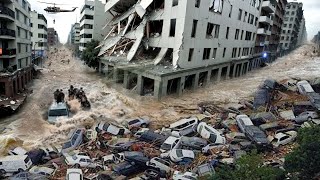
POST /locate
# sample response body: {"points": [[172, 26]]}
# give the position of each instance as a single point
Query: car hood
{"points": [[53, 119], [262, 141]]}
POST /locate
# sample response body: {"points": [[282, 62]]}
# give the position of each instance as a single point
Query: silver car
{"points": [[306, 116]]}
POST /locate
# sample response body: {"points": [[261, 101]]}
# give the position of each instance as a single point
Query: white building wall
{"points": [[39, 43]]}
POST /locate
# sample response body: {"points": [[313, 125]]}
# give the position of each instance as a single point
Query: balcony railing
{"points": [[7, 32], [7, 11], [9, 52]]}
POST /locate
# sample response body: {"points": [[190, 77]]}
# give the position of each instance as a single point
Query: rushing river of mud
{"points": [[30, 126]]}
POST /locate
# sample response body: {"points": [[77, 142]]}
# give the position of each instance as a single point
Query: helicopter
{"points": [[53, 9]]}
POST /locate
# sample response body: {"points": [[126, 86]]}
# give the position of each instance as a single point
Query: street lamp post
{"points": [[34, 48]]}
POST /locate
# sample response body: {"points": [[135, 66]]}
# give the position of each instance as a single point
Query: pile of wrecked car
{"points": [[188, 148]]}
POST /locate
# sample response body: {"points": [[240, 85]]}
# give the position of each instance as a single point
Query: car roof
{"points": [[182, 121], [279, 135], [13, 158], [74, 170], [55, 106], [246, 120], [170, 139]]}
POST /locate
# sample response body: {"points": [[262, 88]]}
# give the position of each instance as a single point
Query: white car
{"points": [[177, 155], [112, 129], [207, 148], [137, 123], [185, 126], [284, 138], [74, 174], [170, 143], [159, 163], [42, 170], [304, 87], [80, 161], [140, 132], [209, 133], [306, 116], [243, 121], [177, 175]]}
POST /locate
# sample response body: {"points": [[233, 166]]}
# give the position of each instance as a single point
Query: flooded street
{"points": [[30, 125]]}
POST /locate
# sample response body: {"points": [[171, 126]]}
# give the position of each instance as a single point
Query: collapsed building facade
{"points": [[166, 46]]}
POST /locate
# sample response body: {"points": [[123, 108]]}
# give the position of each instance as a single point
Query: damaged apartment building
{"points": [[162, 47]]}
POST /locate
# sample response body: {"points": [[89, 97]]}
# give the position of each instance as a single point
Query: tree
{"points": [[304, 160], [248, 167], [90, 54]]}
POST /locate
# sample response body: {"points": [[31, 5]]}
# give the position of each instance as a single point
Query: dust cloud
{"points": [[31, 127]]}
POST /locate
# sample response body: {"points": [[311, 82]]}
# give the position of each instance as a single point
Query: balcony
{"points": [[268, 6], [6, 13], [7, 34], [265, 20], [262, 31], [8, 53]]}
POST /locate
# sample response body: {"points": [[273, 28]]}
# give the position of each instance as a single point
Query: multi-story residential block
{"points": [[53, 37], [291, 26], [74, 34], [92, 20], [166, 46], [15, 47], [278, 18], [302, 36], [39, 37]]}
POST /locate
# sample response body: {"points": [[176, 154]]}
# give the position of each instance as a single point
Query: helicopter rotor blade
{"points": [[51, 3]]}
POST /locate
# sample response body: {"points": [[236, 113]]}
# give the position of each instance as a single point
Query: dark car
{"points": [[28, 176], [257, 136], [193, 143], [128, 168], [152, 137], [75, 140], [261, 98], [137, 157]]}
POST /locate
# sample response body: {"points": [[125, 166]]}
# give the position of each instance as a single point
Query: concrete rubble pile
{"points": [[191, 147]]}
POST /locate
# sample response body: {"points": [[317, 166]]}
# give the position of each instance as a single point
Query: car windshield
{"points": [[213, 138], [58, 112], [179, 153], [166, 146], [67, 145]]}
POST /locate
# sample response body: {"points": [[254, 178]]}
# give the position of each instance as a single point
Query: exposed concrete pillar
{"points": [[181, 83], [100, 67], [164, 88], [241, 69], [208, 78], [219, 74], [126, 80], [140, 85], [234, 70], [158, 88], [195, 82], [115, 74], [228, 72], [247, 67]]}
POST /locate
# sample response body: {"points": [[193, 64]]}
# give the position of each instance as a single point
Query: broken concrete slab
{"points": [[141, 8], [287, 115]]}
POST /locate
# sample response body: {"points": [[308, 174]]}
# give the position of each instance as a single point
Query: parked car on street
{"points": [[159, 163], [283, 138], [75, 140], [243, 121], [193, 143], [57, 110], [112, 129], [137, 123], [211, 134], [74, 174], [177, 175], [256, 135], [170, 143], [80, 161], [185, 126], [306, 116], [177, 155]]}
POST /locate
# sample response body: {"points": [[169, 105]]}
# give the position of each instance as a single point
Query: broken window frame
{"points": [[206, 53], [216, 6], [194, 28]]}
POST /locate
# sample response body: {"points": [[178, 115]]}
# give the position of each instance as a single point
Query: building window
{"points": [[227, 33], [210, 28], [292, 13], [240, 14], [282, 37], [256, 21], [283, 31], [172, 28], [253, 36], [236, 36], [206, 53], [19, 32], [289, 31], [27, 61], [26, 34], [224, 52], [245, 16], [234, 52], [241, 35], [31, 24], [175, 2], [285, 25], [286, 44], [197, 5], [239, 53], [248, 35], [216, 31], [194, 28], [214, 53], [26, 47], [190, 54], [290, 25], [20, 63], [216, 6], [230, 13], [291, 19], [17, 15]]}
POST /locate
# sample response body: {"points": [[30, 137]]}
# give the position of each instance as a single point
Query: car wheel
{"points": [[144, 125], [77, 165], [309, 118], [2, 172]]}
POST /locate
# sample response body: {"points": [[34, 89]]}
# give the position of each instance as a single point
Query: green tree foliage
{"points": [[248, 167], [304, 161], [90, 54]]}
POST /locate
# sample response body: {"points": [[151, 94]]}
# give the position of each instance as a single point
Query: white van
{"points": [[74, 174], [185, 126], [15, 163], [304, 87]]}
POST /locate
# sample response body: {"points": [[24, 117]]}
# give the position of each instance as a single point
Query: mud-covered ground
{"points": [[30, 123]]}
